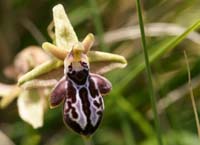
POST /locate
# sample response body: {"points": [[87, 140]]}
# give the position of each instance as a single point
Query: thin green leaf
{"points": [[135, 116], [129, 138], [192, 95], [149, 75], [138, 65]]}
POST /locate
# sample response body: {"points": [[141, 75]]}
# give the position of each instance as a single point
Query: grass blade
{"points": [[149, 75], [192, 95], [135, 116], [155, 53]]}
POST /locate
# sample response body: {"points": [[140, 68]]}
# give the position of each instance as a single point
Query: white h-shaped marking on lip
{"points": [[82, 118]]}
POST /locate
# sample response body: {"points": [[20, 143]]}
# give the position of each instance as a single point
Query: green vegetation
{"points": [[171, 28]]}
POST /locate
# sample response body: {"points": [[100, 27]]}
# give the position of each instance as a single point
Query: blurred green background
{"points": [[127, 119]]}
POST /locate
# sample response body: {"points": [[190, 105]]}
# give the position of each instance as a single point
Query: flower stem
{"points": [[87, 140]]}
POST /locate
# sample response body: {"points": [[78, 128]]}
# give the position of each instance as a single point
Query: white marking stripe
{"points": [[78, 105], [94, 109]]}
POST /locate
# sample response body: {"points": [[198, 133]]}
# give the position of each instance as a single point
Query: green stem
{"points": [[87, 140], [149, 75], [97, 23]]}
